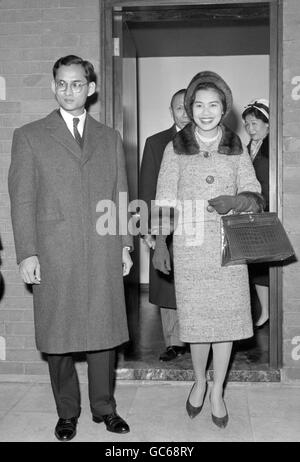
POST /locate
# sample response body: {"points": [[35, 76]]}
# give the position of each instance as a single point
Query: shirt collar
{"points": [[68, 118]]}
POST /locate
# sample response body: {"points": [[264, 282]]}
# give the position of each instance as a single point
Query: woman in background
{"points": [[256, 119]]}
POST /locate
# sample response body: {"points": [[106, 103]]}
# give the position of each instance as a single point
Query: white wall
{"points": [[160, 78]]}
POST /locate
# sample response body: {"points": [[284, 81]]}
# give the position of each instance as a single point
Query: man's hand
{"points": [[161, 258], [149, 241], [30, 270], [126, 261]]}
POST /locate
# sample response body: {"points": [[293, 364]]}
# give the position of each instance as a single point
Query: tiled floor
{"points": [[156, 412]]}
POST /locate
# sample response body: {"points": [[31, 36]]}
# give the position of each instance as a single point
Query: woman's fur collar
{"points": [[185, 142]]}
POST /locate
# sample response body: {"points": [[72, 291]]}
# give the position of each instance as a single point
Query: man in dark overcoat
{"points": [[62, 169], [161, 286]]}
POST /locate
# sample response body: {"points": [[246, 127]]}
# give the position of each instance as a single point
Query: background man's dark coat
{"points": [[161, 286]]}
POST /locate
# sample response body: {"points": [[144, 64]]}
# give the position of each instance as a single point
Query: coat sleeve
{"points": [[261, 166], [148, 180], [148, 176], [22, 186], [166, 198], [121, 195]]}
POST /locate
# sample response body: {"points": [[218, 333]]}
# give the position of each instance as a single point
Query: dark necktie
{"points": [[76, 132]]}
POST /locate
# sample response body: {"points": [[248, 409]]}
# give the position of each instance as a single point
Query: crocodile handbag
{"points": [[253, 238]]}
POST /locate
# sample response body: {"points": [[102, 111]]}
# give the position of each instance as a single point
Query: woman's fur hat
{"points": [[185, 141], [215, 80]]}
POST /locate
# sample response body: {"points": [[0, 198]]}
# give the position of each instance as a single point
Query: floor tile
{"points": [[167, 420], [11, 393], [38, 399], [156, 412], [276, 429], [27, 426], [274, 401], [3, 414]]}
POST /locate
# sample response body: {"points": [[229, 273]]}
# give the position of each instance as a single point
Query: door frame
{"points": [[109, 116]]}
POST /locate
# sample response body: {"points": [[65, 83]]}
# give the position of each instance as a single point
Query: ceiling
{"points": [[206, 30]]}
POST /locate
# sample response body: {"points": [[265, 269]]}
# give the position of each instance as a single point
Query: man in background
{"points": [[161, 286]]}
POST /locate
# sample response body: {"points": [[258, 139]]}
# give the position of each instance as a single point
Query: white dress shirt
{"points": [[68, 118]]}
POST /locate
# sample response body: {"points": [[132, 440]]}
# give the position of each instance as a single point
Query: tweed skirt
{"points": [[213, 302]]}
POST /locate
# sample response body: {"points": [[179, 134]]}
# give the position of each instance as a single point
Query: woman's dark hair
{"points": [[256, 113], [208, 86], [89, 70]]}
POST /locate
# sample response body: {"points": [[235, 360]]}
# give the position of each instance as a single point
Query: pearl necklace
{"points": [[207, 140]]}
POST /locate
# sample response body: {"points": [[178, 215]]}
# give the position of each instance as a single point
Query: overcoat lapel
{"points": [[60, 132], [90, 138]]}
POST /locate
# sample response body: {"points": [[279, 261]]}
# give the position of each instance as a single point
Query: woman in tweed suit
{"points": [[207, 164]]}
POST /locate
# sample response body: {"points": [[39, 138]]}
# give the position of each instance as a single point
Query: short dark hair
{"points": [[209, 86], [179, 92], [256, 113], [89, 70]]}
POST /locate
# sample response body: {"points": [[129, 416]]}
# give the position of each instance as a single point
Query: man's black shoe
{"points": [[114, 423], [172, 352], [65, 429]]}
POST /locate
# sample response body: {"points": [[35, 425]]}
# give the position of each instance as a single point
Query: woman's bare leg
{"points": [[199, 354], [263, 296], [221, 357]]}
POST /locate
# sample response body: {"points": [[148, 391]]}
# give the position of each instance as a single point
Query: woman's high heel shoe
{"points": [[192, 410], [261, 322], [220, 422]]}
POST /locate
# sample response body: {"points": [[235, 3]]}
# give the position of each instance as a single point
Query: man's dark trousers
{"points": [[65, 384]]}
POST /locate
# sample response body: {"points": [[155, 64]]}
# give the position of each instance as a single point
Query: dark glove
{"points": [[223, 204], [161, 257], [248, 201], [243, 202]]}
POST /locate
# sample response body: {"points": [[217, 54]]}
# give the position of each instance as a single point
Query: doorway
{"points": [[240, 41]]}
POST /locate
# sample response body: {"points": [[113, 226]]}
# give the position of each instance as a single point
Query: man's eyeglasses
{"points": [[75, 86]]}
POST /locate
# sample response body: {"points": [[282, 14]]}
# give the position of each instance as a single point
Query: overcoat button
{"points": [[206, 154], [210, 179], [210, 208]]}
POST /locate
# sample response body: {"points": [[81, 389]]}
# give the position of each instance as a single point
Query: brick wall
{"points": [[291, 186], [33, 34]]}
